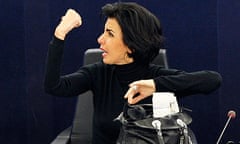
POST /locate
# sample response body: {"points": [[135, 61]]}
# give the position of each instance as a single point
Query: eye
{"points": [[110, 34]]}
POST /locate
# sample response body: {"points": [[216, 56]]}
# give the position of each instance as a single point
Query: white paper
{"points": [[164, 103]]}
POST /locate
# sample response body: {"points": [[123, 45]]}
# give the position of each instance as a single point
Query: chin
{"points": [[106, 62]]}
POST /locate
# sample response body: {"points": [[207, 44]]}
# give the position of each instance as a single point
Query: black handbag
{"points": [[139, 126]]}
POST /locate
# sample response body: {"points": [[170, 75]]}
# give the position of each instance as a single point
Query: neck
{"points": [[130, 72]]}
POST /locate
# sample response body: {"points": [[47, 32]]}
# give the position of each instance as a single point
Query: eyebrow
{"points": [[109, 30]]}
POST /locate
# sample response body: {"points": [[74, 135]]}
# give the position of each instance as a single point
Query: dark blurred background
{"points": [[201, 34]]}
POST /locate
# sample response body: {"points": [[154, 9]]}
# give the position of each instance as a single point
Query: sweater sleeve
{"points": [[67, 85], [183, 83]]}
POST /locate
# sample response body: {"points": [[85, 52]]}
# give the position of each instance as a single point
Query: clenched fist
{"points": [[69, 21]]}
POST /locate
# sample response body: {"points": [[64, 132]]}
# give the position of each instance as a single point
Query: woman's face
{"points": [[111, 42]]}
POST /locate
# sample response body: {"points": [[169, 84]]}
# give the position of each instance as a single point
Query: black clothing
{"points": [[109, 83]]}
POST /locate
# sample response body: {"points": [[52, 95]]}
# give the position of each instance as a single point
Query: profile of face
{"points": [[111, 42]]}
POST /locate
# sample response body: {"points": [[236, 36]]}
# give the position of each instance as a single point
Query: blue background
{"points": [[199, 35]]}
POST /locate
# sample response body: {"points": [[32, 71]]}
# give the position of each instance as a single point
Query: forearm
{"points": [[189, 83]]}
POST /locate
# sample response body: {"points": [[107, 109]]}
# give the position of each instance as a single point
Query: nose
{"points": [[100, 39]]}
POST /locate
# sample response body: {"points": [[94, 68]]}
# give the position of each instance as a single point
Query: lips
{"points": [[104, 52]]}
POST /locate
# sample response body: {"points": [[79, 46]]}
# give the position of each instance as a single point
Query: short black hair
{"points": [[141, 29]]}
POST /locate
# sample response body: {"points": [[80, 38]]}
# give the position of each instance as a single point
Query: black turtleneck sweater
{"points": [[109, 83]]}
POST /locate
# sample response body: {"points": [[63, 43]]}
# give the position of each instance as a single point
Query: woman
{"points": [[131, 39]]}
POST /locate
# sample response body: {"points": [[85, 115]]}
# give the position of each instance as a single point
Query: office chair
{"points": [[81, 130]]}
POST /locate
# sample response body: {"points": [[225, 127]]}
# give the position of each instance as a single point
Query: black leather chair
{"points": [[81, 130]]}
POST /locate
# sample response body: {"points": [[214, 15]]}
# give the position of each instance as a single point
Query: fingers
{"points": [[134, 95], [139, 90], [69, 21], [131, 92], [74, 17], [136, 99]]}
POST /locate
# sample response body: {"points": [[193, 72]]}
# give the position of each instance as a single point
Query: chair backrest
{"points": [[82, 123], [161, 59]]}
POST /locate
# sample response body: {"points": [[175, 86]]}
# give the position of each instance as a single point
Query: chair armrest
{"points": [[63, 137]]}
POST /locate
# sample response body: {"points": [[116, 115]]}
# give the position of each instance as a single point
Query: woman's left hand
{"points": [[139, 90]]}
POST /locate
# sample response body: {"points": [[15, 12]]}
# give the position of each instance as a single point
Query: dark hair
{"points": [[141, 29]]}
